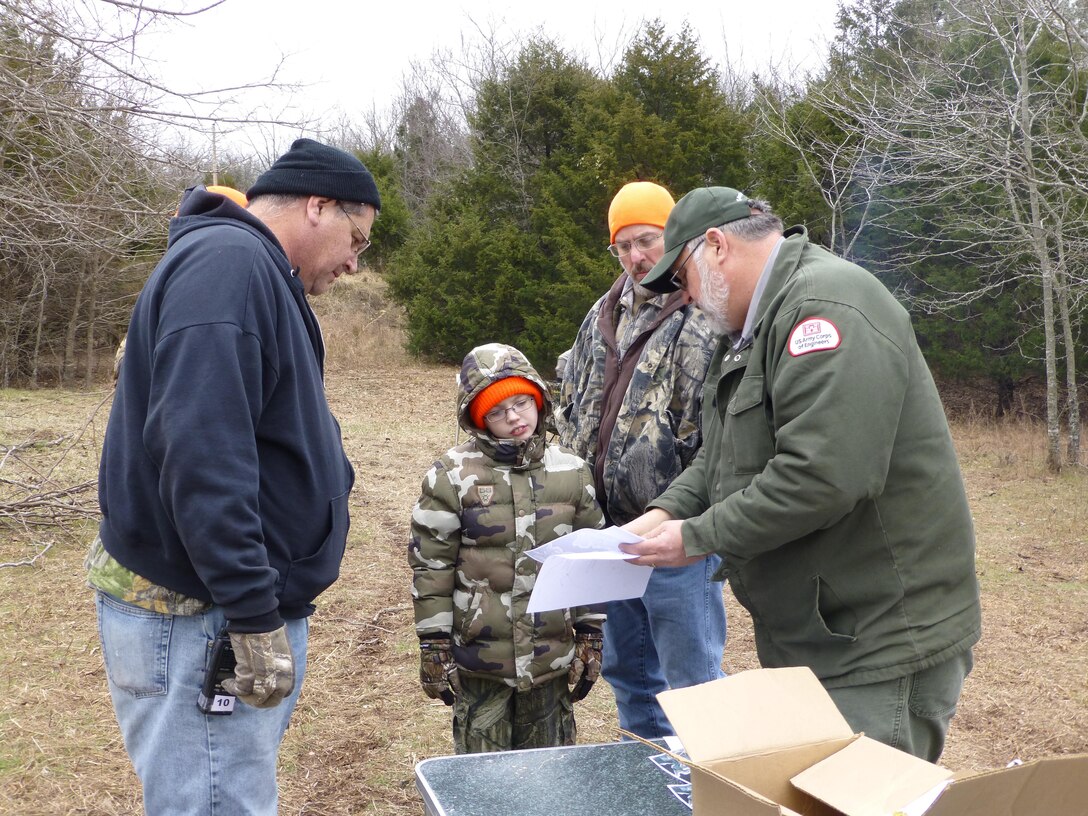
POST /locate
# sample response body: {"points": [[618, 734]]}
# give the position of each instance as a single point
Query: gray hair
{"points": [[275, 203], [759, 225]]}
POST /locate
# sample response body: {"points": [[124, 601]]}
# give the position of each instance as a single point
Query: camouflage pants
{"points": [[491, 716]]}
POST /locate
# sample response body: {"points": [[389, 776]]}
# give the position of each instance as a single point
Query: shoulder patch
{"points": [[813, 334]]}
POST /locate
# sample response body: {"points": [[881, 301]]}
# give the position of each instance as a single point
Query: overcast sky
{"points": [[351, 57]]}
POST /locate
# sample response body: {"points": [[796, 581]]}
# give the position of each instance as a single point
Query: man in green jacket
{"points": [[827, 481]]}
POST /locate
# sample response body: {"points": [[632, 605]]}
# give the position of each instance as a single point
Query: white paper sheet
{"points": [[586, 567], [603, 542]]}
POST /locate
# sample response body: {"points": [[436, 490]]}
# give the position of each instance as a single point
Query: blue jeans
{"points": [[190, 762], [671, 637]]}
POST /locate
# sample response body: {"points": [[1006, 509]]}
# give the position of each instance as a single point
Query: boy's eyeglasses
{"points": [[644, 242], [519, 407], [360, 243]]}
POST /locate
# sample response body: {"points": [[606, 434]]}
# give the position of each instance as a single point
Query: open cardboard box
{"points": [[771, 742]]}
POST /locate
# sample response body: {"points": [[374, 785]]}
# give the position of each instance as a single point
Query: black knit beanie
{"points": [[311, 168]]}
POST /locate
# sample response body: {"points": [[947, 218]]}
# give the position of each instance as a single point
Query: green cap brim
{"points": [[692, 216], [659, 279]]}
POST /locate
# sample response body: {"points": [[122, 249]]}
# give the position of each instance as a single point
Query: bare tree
{"points": [[846, 165], [87, 178], [76, 190], [977, 113]]}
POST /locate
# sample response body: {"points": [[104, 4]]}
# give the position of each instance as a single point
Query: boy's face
{"points": [[513, 418]]}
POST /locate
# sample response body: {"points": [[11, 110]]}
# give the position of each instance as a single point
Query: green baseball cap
{"points": [[693, 215]]}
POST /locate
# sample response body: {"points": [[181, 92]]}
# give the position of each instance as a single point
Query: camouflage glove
{"points": [[437, 671], [585, 668], [265, 670]]}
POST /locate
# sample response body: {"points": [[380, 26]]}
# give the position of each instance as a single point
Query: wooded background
{"points": [[944, 147]]}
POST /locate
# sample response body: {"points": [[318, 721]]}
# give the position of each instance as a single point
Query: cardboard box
{"points": [[748, 734], [771, 742], [867, 778]]}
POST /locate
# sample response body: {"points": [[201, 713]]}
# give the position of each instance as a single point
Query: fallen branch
{"points": [[29, 562], [78, 501], [31, 498]]}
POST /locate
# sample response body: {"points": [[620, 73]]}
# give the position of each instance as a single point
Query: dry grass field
{"points": [[362, 722]]}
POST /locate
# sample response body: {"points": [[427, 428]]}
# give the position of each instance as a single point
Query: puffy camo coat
{"points": [[484, 504]]}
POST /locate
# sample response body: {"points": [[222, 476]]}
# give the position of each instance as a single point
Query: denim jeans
{"points": [[910, 713], [671, 637], [190, 762]]}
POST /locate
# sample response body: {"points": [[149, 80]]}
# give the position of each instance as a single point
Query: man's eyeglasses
{"points": [[677, 281], [519, 407], [622, 249], [359, 243]]}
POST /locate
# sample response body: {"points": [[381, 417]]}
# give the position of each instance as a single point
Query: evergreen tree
{"points": [[391, 228], [502, 253], [512, 248]]}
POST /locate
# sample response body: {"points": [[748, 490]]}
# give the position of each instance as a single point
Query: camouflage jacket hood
{"points": [[483, 366]]}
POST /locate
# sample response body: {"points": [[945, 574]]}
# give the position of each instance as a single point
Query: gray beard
{"points": [[713, 298]]}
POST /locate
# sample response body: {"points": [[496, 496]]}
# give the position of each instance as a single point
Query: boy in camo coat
{"points": [[507, 673]]}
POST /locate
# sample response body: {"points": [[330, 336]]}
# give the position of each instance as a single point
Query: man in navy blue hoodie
{"points": [[224, 484]]}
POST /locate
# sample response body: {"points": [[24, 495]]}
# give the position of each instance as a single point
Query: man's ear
{"points": [[314, 206], [718, 243]]}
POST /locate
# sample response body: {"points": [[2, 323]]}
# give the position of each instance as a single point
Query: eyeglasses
{"points": [[642, 243], [360, 243], [519, 407], [676, 279]]}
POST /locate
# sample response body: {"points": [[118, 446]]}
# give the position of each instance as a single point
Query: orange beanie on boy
{"points": [[499, 390]]}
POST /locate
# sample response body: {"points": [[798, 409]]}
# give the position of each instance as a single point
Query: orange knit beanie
{"points": [[237, 196], [498, 391], [640, 202]]}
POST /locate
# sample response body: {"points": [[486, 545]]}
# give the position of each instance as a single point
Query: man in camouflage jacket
{"points": [[630, 401], [484, 505]]}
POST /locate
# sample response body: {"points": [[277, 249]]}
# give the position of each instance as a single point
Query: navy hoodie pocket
{"points": [[308, 577]]}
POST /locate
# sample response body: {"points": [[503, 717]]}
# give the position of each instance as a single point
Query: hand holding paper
{"points": [[662, 547]]}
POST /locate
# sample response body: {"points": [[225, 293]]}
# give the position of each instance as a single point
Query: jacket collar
{"points": [[785, 267]]}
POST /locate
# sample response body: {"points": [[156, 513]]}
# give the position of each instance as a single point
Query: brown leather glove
{"points": [[437, 670], [585, 668], [265, 670]]}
